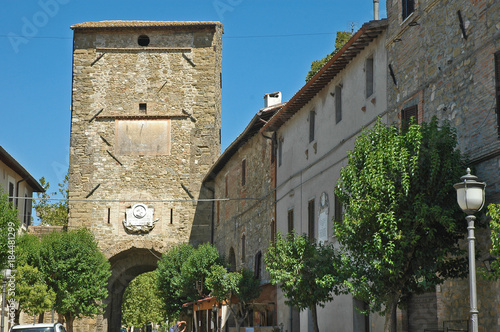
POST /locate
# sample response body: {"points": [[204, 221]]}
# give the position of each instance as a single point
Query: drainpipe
{"points": [[291, 318], [17, 191], [375, 9]]}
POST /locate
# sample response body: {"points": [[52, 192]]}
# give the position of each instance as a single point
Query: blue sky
{"points": [[268, 46]]}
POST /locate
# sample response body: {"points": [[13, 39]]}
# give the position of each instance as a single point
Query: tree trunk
{"points": [[390, 316], [314, 312], [40, 317], [70, 318]]}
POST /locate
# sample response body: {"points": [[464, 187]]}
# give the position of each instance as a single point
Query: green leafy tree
{"points": [[32, 292], [170, 281], [142, 302], [228, 285], [52, 213], [342, 38], [77, 271], [9, 224], [197, 268], [494, 213], [399, 231], [309, 273], [182, 275]]}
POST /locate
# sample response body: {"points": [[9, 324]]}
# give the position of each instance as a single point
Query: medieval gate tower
{"points": [[145, 129]]}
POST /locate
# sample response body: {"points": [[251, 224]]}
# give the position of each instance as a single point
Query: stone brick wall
{"points": [[250, 208], [178, 77], [145, 128], [449, 74]]}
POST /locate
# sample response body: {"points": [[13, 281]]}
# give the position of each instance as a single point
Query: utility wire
{"points": [[224, 37]]}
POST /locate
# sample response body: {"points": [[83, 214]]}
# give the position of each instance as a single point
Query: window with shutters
{"points": [[290, 220], [243, 248], [369, 76], [310, 219], [408, 7], [497, 89], [407, 114], [243, 172], [312, 124], [338, 209], [11, 191], [338, 103], [258, 265]]}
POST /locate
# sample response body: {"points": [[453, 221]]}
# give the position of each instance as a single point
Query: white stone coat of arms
{"points": [[139, 219]]}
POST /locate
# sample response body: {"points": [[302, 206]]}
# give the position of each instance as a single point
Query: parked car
{"points": [[45, 327]]}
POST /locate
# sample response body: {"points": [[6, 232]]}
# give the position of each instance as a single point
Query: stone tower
{"points": [[145, 129]]}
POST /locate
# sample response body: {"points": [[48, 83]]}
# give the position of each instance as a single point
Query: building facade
{"points": [[314, 131], [243, 182], [19, 185], [145, 129]]}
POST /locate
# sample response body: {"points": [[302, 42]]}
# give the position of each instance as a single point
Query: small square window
{"points": [[143, 107]]}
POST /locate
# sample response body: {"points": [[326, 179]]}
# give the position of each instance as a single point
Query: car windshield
{"points": [[34, 329]]}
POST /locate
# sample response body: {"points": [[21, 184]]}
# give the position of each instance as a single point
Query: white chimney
{"points": [[375, 9], [271, 99]]}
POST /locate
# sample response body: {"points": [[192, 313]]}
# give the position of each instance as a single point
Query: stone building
{"points": [[314, 131], [243, 181], [145, 129], [444, 61]]}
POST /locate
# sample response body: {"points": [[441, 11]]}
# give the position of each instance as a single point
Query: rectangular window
{"points": [[369, 76], [243, 172], [338, 209], [11, 191], [312, 120], [258, 264], [310, 219], [497, 88], [143, 107], [407, 114], [338, 103], [226, 184], [290, 220], [408, 7], [280, 151], [26, 214], [243, 249]]}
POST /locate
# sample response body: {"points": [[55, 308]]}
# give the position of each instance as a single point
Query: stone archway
{"points": [[125, 266]]}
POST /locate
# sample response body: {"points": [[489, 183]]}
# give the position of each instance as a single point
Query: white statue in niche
{"points": [[139, 219]]}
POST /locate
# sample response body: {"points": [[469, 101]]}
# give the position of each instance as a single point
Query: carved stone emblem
{"points": [[139, 219]]}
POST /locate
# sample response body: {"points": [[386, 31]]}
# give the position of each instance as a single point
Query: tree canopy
{"points": [[142, 302], [9, 224], [52, 213], [182, 273], [309, 273], [399, 230], [342, 38], [76, 271], [494, 213]]}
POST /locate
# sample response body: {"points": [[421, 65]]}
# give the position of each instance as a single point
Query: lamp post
{"points": [[5, 276], [470, 197]]}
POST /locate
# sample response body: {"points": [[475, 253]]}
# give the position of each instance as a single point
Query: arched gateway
{"points": [[145, 129]]}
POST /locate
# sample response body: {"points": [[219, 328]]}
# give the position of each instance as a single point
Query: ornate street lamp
{"points": [[470, 197], [5, 276]]}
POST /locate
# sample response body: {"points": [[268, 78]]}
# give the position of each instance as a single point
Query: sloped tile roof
{"points": [[368, 32]]}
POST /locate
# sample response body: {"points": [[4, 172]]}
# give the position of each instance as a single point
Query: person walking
{"points": [[177, 327]]}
